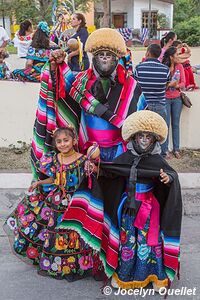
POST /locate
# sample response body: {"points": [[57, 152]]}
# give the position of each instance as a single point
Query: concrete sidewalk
{"points": [[23, 180]]}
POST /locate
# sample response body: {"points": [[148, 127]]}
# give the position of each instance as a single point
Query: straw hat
{"points": [[145, 120], [106, 39]]}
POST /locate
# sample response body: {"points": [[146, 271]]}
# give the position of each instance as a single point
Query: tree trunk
{"points": [[106, 16]]}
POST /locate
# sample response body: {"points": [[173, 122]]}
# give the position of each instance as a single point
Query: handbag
{"points": [[185, 100]]}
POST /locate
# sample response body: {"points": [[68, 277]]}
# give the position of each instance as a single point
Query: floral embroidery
{"points": [[45, 213], [143, 251], [45, 263], [12, 223], [85, 262], [72, 180], [123, 237], [127, 253], [44, 234], [157, 250], [61, 243], [20, 209], [66, 270], [19, 244], [32, 252]]}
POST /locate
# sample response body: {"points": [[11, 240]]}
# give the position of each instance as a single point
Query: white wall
{"points": [[18, 104], [143, 5], [134, 9]]}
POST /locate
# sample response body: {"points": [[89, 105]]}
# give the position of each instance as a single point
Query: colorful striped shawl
{"points": [[121, 100], [93, 218], [52, 113]]}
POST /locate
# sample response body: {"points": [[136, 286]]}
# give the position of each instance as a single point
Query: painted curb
{"points": [[23, 180]]}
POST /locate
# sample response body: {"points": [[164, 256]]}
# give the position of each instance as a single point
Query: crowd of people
{"points": [[36, 45], [103, 202]]}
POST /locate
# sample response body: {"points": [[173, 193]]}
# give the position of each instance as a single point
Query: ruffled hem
{"points": [[141, 284]]}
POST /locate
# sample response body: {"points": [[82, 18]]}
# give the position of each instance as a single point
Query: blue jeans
{"points": [[162, 111], [174, 107]]}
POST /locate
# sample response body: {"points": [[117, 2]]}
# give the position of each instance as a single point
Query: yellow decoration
{"points": [[140, 284], [57, 180], [80, 46]]}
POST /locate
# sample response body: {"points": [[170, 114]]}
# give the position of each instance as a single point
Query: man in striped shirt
{"points": [[152, 76]]}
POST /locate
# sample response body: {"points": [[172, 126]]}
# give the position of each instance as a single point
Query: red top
{"points": [[170, 94]]}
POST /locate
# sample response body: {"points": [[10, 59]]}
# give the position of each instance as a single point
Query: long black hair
{"points": [[167, 56], [40, 40], [169, 36], [24, 27]]}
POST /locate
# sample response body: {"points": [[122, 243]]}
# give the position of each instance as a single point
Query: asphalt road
{"points": [[19, 281]]}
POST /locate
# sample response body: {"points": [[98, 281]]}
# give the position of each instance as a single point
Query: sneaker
{"points": [[114, 283]]}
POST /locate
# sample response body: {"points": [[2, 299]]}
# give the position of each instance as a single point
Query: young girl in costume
{"points": [[23, 38], [60, 254], [37, 54]]}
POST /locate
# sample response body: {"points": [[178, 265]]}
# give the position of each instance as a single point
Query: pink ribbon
{"points": [[149, 207]]}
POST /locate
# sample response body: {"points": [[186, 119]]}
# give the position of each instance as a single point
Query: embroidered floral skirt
{"points": [[60, 254], [139, 264]]}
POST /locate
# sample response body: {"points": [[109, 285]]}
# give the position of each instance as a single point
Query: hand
{"points": [[33, 186], [69, 57], [164, 177], [173, 84], [57, 56], [90, 168]]}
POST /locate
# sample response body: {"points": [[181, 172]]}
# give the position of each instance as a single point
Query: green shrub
{"points": [[189, 31]]}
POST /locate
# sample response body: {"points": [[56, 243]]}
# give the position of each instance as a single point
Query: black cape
{"points": [[114, 177]]}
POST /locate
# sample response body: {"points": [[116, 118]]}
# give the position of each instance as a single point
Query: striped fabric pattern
{"points": [[171, 256], [86, 216], [88, 102], [50, 114], [152, 76]]}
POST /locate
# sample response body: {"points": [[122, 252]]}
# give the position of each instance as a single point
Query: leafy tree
{"points": [[36, 10], [189, 31], [187, 21], [185, 9]]}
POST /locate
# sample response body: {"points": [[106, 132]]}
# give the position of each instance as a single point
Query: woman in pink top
{"points": [[173, 99], [167, 42]]}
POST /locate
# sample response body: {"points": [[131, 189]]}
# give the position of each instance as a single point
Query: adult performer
{"points": [[105, 93]]}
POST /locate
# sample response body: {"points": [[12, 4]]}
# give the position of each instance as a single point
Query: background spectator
{"points": [[23, 38], [152, 76], [79, 24], [38, 54], [167, 42], [5, 70], [4, 38], [173, 99]]}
